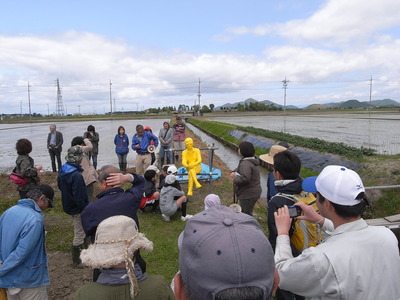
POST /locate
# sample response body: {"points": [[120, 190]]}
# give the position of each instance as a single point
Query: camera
{"points": [[295, 211]]}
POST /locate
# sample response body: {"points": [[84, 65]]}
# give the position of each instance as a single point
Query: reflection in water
{"points": [[358, 130]]}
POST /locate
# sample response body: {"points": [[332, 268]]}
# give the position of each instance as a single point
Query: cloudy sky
{"points": [[155, 52]]}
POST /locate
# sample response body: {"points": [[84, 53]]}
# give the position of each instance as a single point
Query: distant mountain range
{"points": [[352, 103]]}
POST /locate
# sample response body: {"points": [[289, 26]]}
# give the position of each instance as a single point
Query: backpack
{"points": [[305, 234]]}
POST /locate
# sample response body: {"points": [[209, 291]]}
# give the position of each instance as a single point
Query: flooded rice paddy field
{"points": [[37, 134], [376, 131], [379, 131]]}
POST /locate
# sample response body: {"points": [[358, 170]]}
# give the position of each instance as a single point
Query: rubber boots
{"points": [[76, 252], [121, 167]]}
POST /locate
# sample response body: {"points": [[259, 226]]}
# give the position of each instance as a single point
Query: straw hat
{"points": [[269, 158], [117, 239], [114, 236]]}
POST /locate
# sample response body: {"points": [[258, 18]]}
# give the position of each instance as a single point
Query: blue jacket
{"points": [[144, 143], [73, 190], [271, 189], [22, 247], [121, 144], [113, 202]]}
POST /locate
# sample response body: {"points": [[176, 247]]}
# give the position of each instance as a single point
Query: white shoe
{"points": [[185, 218], [165, 218]]}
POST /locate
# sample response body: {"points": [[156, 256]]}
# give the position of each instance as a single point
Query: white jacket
{"points": [[357, 262]]}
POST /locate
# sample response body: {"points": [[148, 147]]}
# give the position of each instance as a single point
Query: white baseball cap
{"points": [[172, 169], [337, 184]]}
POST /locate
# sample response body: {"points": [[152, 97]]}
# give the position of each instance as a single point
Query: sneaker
{"points": [[185, 218], [165, 218]]}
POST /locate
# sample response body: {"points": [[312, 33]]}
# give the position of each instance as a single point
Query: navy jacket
{"points": [[276, 202], [113, 202], [121, 144], [73, 189]]}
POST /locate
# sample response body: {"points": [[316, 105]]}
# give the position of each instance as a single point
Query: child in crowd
{"points": [[168, 204], [174, 171], [150, 196], [211, 200], [162, 176]]}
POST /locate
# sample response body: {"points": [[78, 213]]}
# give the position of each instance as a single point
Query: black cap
{"points": [[48, 192]]}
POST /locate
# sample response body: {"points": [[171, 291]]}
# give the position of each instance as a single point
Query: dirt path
{"points": [[65, 280]]}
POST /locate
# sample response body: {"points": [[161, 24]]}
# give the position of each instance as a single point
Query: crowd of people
{"points": [[324, 250]]}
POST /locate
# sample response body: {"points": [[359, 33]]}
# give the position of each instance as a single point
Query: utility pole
{"points": [[29, 100], [370, 90], [111, 110], [285, 83], [199, 95], [48, 111], [20, 104]]}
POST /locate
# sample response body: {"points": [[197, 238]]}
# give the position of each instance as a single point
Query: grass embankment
{"points": [[164, 259], [376, 170]]}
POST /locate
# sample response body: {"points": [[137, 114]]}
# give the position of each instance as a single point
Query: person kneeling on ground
{"points": [[150, 196], [168, 204], [117, 241]]}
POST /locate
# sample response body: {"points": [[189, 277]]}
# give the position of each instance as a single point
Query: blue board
{"points": [[203, 175]]}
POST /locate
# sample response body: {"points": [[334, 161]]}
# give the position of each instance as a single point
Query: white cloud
{"points": [[336, 23], [343, 40]]}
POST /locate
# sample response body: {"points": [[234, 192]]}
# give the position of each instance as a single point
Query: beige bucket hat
{"points": [[117, 239], [269, 157]]}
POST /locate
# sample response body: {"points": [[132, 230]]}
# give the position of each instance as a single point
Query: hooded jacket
{"points": [[290, 187], [247, 180], [73, 190]]}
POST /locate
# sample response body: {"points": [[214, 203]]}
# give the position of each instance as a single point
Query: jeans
{"points": [[164, 153], [122, 158], [94, 159]]}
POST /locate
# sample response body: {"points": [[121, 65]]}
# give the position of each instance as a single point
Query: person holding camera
{"points": [[94, 138], [356, 261], [288, 182]]}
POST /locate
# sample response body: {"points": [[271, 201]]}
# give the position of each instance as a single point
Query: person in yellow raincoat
{"points": [[191, 159]]}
